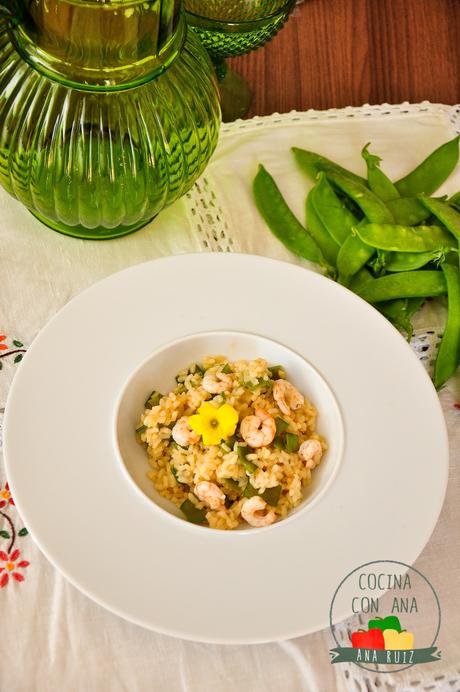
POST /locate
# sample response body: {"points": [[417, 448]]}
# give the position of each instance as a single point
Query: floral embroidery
{"points": [[18, 350], [5, 496], [10, 565]]}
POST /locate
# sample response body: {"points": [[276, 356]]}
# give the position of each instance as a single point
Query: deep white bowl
{"points": [[158, 372]]}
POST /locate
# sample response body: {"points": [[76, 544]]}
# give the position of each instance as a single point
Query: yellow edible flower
{"points": [[398, 640], [214, 424]]}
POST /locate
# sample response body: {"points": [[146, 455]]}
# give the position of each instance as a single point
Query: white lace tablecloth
{"points": [[53, 637]]}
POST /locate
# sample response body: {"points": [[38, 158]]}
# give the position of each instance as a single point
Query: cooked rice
{"points": [[175, 470]]}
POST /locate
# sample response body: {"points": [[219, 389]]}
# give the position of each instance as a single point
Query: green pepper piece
{"points": [[230, 441], [281, 221], [378, 182], [227, 369], [193, 513], [389, 623], [281, 425], [408, 211], [174, 472], [199, 369], [249, 490], [249, 467], [449, 349], [312, 164], [405, 238], [153, 399], [262, 383], [231, 483], [331, 211], [272, 495], [318, 231], [141, 429], [291, 442], [278, 442], [432, 172], [415, 284], [275, 371]]}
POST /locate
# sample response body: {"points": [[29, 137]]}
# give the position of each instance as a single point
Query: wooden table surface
{"points": [[334, 53]]}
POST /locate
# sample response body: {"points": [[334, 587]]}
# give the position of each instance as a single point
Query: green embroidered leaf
{"points": [[4, 534], [23, 532], [17, 343], [18, 358]]}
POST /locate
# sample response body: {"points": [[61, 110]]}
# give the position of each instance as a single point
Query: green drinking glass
{"points": [[109, 111], [228, 28]]}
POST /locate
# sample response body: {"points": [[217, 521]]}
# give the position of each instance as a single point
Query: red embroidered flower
{"points": [[10, 567], [3, 347], [5, 496]]}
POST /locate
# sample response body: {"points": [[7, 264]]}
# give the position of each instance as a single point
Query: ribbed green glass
{"points": [[108, 112]]}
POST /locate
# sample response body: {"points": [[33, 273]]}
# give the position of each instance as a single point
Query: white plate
{"points": [[187, 581]]}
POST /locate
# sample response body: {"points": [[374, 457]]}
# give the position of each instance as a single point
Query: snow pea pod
{"points": [[408, 211], [454, 201], [415, 284], [318, 231], [312, 164], [378, 182], [444, 213], [281, 221], [336, 218], [372, 206], [432, 172], [400, 311], [408, 261], [355, 253], [360, 278], [449, 348], [352, 257], [405, 238]]}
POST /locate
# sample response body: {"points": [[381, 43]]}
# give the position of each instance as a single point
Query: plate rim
{"points": [[224, 257]]}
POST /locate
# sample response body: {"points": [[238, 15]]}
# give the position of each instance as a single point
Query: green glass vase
{"points": [[108, 111]]}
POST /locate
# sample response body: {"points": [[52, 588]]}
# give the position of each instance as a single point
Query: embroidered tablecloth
{"points": [[53, 637]]}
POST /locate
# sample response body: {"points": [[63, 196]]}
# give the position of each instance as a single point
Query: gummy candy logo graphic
{"points": [[396, 617]]}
